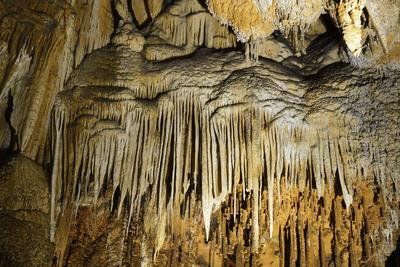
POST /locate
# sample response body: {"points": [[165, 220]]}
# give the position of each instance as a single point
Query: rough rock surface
{"points": [[369, 40], [24, 214], [199, 133], [23, 186], [40, 43], [265, 138]]}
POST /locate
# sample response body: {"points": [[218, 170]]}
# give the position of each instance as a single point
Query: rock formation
{"points": [[199, 133]]}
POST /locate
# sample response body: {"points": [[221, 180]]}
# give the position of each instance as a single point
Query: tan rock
{"points": [[23, 186], [170, 144], [139, 10]]}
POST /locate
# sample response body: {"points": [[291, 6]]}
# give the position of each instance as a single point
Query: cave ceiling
{"points": [[199, 132]]}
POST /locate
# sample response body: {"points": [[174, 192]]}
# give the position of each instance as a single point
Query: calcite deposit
{"points": [[199, 133]]}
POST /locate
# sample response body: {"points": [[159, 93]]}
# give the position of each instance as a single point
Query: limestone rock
{"points": [[139, 10], [184, 26], [273, 49], [24, 214], [360, 22], [24, 243], [23, 186], [44, 41], [129, 35], [308, 126], [199, 133]]}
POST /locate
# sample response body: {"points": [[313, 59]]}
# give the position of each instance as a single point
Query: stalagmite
{"points": [[259, 137], [201, 133]]}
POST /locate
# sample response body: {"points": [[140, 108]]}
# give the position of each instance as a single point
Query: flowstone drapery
{"points": [[214, 132], [199, 133]]}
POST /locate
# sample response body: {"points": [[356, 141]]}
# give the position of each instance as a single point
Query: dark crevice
{"points": [[130, 9], [13, 146], [149, 19], [337, 187], [363, 234], [394, 259], [116, 16], [116, 198], [287, 246], [298, 244], [247, 237], [169, 173]]}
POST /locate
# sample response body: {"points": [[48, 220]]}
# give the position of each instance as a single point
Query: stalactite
{"points": [[258, 19], [243, 140], [166, 146], [56, 42], [184, 26], [349, 15]]}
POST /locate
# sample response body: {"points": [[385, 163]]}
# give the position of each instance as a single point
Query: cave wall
{"points": [[222, 133]]}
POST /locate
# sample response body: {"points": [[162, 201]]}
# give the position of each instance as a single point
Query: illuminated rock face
{"points": [[169, 143], [360, 22]]}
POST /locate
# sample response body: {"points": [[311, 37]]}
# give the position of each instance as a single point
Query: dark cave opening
{"points": [[394, 259]]}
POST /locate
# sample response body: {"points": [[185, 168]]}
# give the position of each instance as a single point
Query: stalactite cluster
{"points": [[40, 44], [182, 28], [251, 136], [199, 133], [258, 19]]}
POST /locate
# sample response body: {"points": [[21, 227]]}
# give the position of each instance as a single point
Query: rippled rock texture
{"points": [[199, 133]]}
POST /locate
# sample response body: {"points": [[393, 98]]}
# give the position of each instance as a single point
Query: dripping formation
{"points": [[248, 146], [216, 133]]}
